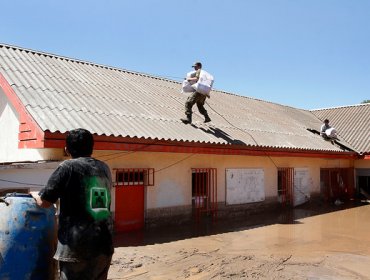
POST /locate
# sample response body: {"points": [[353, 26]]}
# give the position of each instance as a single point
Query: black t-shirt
{"points": [[85, 224]]}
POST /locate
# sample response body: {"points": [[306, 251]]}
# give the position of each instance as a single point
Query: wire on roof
{"points": [[255, 141]]}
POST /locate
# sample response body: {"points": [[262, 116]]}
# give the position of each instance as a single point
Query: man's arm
{"points": [[192, 79], [40, 202], [322, 129], [196, 78]]}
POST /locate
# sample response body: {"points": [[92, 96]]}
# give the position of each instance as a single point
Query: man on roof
{"points": [[195, 97], [328, 132]]}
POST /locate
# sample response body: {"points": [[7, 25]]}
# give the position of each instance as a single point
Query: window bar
{"points": [[291, 183], [286, 186], [214, 194], [198, 194], [206, 190]]}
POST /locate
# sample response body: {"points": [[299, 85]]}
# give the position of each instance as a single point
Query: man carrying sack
{"points": [[201, 83]]}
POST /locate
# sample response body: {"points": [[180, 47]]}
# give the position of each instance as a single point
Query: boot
{"points": [[187, 119], [207, 119]]}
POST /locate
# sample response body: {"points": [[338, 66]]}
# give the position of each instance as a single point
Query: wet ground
{"points": [[209, 226], [314, 241]]}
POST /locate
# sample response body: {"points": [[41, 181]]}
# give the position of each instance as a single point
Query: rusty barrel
{"points": [[27, 238]]}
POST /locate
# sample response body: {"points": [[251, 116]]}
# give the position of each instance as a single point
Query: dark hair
{"points": [[326, 120], [80, 143], [197, 64]]}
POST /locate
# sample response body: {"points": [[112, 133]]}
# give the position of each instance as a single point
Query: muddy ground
{"points": [[311, 242]]}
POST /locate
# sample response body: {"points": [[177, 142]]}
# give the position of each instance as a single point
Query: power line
{"points": [[255, 141], [125, 153], [173, 164], [21, 183], [155, 171]]}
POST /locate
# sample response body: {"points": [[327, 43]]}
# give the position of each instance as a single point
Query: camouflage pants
{"points": [[198, 98]]}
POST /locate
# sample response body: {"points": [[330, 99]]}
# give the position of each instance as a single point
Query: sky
{"points": [[307, 54]]}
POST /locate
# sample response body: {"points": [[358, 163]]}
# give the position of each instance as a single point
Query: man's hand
{"points": [[195, 79], [39, 201]]}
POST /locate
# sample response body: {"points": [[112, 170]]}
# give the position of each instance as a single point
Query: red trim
{"points": [[57, 140], [30, 134], [367, 157]]}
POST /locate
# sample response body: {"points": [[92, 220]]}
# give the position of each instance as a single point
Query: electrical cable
{"points": [[173, 164], [252, 139], [250, 135], [125, 153], [21, 183]]}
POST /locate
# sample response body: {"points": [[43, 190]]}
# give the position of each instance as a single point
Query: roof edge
{"points": [[340, 107], [86, 62], [30, 133], [126, 144]]}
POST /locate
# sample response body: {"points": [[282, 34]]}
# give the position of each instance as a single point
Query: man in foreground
{"points": [[83, 185]]}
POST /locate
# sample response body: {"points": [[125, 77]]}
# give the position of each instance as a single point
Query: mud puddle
{"points": [[209, 226], [303, 244]]}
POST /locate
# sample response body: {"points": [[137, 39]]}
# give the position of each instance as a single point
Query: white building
{"points": [[254, 154]]}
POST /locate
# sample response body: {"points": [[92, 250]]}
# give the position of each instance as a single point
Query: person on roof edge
{"points": [[325, 126], [327, 131], [195, 97]]}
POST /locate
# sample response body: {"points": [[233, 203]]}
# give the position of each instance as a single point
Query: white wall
{"points": [[173, 173], [29, 176], [173, 184], [9, 127], [362, 163]]}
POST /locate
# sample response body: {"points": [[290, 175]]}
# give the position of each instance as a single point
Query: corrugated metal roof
{"points": [[351, 122], [62, 94]]}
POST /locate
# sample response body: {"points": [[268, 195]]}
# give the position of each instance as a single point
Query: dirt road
{"points": [[334, 245]]}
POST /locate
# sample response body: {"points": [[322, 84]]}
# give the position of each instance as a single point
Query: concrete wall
{"points": [[172, 192], [28, 176], [362, 163]]}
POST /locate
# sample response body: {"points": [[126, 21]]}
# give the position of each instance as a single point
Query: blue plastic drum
{"points": [[27, 239]]}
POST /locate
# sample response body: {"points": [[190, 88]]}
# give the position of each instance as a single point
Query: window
{"points": [[285, 185], [204, 190], [134, 176], [337, 183]]}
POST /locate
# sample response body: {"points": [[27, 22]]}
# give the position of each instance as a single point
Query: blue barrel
{"points": [[27, 239]]}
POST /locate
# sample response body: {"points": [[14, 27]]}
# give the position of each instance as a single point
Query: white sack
{"points": [[203, 89], [331, 132], [204, 84], [186, 85]]}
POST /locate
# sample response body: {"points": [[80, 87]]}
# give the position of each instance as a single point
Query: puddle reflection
{"points": [[326, 227]]}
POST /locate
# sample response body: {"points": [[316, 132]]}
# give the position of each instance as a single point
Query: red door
{"points": [[129, 203]]}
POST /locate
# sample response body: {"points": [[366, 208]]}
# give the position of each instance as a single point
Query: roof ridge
{"points": [[258, 99], [135, 73], [86, 62], [340, 107]]}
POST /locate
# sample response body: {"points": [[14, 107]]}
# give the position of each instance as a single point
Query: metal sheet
{"points": [[244, 186]]}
